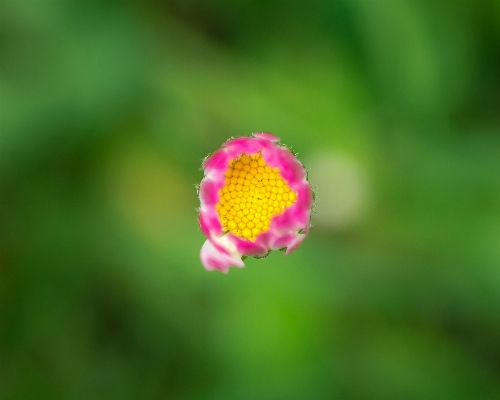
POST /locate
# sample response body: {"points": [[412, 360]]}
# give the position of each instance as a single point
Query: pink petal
{"points": [[209, 222], [304, 204], [249, 248], [277, 240], [209, 192], [266, 135], [290, 168], [216, 163], [243, 145], [295, 243], [284, 241], [212, 258], [287, 221], [298, 215]]}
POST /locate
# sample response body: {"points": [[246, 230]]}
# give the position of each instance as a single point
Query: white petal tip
{"points": [[214, 259]]}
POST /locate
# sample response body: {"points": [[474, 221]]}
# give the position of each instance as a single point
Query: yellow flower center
{"points": [[252, 195]]}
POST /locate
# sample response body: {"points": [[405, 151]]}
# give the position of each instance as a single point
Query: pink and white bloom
{"points": [[254, 198]]}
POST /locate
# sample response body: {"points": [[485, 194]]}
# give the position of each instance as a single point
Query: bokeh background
{"points": [[107, 109]]}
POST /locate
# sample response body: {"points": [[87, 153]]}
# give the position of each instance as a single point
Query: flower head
{"points": [[254, 198]]}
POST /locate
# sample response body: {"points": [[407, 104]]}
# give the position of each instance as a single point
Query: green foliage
{"points": [[107, 108]]}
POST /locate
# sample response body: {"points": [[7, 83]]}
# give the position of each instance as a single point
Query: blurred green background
{"points": [[107, 109]]}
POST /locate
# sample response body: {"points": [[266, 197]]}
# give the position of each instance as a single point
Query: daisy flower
{"points": [[254, 198]]}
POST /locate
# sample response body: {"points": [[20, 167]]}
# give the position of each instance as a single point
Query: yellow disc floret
{"points": [[252, 195]]}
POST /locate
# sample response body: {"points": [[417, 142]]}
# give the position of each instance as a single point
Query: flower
{"points": [[254, 198]]}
